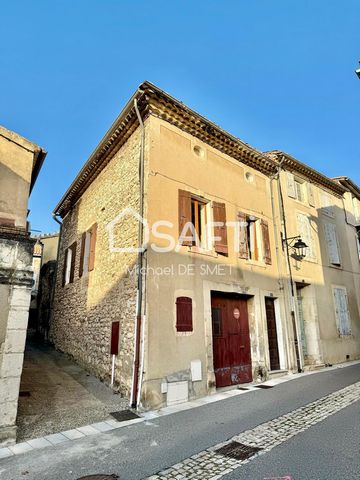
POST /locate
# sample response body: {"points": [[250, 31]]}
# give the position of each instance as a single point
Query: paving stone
{"points": [[5, 452], [21, 448], [102, 426], [39, 443], [88, 430], [73, 434], [56, 438]]}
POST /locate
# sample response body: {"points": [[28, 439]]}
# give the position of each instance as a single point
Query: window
{"points": [[69, 264], [356, 209], [342, 311], [194, 223], [198, 220], [332, 244], [254, 239], [358, 243], [305, 231], [184, 321], [299, 191], [327, 206], [87, 254]]}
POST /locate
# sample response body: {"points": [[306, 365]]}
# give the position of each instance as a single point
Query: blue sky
{"points": [[279, 74]]}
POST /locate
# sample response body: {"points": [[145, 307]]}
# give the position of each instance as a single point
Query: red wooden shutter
{"points": [[184, 214], [93, 231], [219, 214], [184, 314], [115, 330], [243, 236], [82, 253], [73, 259], [266, 241]]}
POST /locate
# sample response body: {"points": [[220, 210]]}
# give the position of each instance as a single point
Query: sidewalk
{"points": [[56, 394]]}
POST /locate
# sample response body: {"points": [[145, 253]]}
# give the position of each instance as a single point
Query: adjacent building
{"points": [[176, 260], [20, 163]]}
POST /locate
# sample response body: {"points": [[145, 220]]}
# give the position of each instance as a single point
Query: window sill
{"points": [[202, 251], [256, 263]]}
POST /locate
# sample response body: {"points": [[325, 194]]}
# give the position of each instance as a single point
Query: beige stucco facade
{"points": [[184, 154], [20, 162]]}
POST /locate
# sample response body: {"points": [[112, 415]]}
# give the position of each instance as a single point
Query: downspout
{"points": [[295, 324], [135, 390], [54, 215]]}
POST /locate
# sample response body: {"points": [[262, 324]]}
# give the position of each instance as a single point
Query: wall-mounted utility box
{"points": [[196, 375], [177, 392]]}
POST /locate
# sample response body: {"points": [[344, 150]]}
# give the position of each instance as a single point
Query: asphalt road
{"points": [[327, 451]]}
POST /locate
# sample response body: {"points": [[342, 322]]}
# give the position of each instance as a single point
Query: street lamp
{"points": [[297, 246]]}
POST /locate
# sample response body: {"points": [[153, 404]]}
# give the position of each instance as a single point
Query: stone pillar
{"points": [[16, 279]]}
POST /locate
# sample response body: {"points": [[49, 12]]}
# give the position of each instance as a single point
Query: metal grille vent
{"points": [[124, 415], [237, 450]]}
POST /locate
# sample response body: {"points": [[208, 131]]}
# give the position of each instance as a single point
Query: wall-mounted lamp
{"points": [[297, 245]]}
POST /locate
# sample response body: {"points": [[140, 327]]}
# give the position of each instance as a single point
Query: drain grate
{"points": [[264, 386], [243, 388], [237, 450], [124, 415], [99, 477]]}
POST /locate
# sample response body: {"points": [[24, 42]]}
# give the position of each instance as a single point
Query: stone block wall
{"points": [[84, 310]]}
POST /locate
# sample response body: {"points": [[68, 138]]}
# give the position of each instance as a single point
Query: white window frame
{"points": [[327, 207], [343, 330], [307, 237], [68, 259], [254, 224], [328, 226]]}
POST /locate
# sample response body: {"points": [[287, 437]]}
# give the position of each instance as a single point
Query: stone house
{"points": [[206, 301], [20, 163]]}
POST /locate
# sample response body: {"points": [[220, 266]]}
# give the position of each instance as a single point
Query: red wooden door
{"points": [[231, 340], [272, 334]]}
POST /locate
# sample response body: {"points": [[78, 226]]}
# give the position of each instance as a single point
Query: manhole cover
{"points": [[264, 386], [237, 450], [124, 415], [99, 477]]}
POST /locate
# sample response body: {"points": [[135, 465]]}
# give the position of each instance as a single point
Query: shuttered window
{"points": [[85, 252], [69, 264], [184, 322], [327, 207], [220, 232], [243, 236], [342, 311], [93, 234], [332, 243], [290, 184], [185, 218], [266, 242], [306, 233], [311, 195]]}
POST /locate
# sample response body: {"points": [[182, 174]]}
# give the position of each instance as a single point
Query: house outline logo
{"points": [[128, 211]]}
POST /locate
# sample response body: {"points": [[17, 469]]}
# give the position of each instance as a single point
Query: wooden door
{"points": [[272, 334], [231, 340]]}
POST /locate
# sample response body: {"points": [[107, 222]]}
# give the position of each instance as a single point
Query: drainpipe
{"points": [[293, 310], [54, 215], [138, 345]]}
